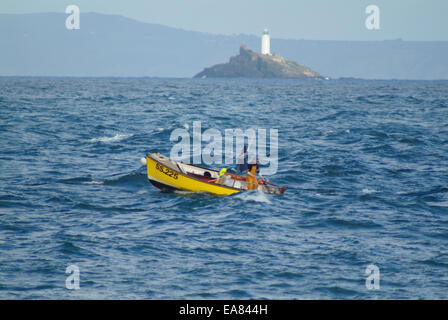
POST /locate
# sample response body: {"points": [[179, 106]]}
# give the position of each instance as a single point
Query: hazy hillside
{"points": [[110, 45]]}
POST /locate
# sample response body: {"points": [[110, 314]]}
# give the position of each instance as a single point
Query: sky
{"points": [[412, 20]]}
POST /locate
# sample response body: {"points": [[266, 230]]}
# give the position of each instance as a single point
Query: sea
{"points": [[364, 214]]}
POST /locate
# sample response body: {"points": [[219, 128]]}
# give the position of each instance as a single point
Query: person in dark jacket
{"points": [[242, 162]]}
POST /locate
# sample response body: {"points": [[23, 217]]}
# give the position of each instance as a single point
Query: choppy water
{"points": [[365, 164]]}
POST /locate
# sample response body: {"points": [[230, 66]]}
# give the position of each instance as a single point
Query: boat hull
{"points": [[166, 178]]}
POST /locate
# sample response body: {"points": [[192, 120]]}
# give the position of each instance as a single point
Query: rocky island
{"points": [[250, 64]]}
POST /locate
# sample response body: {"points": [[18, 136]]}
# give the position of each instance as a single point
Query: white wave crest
{"points": [[368, 191], [438, 204], [93, 182], [115, 138]]}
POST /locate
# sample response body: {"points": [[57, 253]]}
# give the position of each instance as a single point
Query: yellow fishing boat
{"points": [[167, 174]]}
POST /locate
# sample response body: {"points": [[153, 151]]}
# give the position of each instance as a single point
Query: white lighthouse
{"points": [[265, 43]]}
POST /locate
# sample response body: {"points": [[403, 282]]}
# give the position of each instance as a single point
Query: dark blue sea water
{"points": [[365, 164]]}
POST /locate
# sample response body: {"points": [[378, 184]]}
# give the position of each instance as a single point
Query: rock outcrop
{"points": [[249, 64]]}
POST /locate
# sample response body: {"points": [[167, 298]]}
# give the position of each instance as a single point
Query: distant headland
{"points": [[249, 64], [39, 44]]}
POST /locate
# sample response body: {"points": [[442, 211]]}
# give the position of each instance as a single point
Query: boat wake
{"points": [[254, 196], [128, 179]]}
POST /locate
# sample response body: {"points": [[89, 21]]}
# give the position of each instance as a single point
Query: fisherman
{"points": [[251, 175], [222, 176], [242, 165]]}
